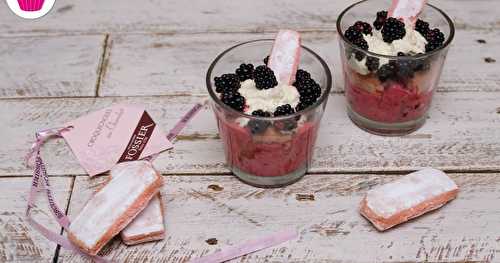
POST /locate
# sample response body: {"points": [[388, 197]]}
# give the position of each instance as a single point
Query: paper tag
{"points": [[115, 134]]}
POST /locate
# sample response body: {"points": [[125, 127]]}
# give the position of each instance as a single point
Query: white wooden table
{"points": [[87, 54]]}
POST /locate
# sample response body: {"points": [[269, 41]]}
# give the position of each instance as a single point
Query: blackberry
{"points": [[284, 110], [432, 46], [422, 27], [302, 75], [352, 34], [372, 63], [361, 43], [380, 21], [301, 106], [405, 69], [233, 100], [434, 36], [264, 78], [309, 92], [285, 125], [393, 29], [421, 64], [258, 126], [386, 72], [401, 54], [308, 100], [265, 60], [435, 39], [227, 82], [308, 87], [363, 27], [245, 71], [261, 113]]}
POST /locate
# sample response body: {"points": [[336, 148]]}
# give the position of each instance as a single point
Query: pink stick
{"points": [[407, 10], [285, 56]]}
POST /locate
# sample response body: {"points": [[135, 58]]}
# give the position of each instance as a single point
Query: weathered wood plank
{"points": [[177, 64], [331, 230], [49, 66], [215, 16], [460, 135], [19, 242]]}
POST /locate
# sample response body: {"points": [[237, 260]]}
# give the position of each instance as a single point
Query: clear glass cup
{"points": [[390, 107], [268, 151]]}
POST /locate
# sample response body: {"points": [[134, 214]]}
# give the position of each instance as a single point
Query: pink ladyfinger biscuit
{"points": [[147, 226], [127, 192], [407, 198], [285, 56], [407, 10]]}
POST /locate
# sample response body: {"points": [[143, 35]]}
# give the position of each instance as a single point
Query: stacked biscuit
{"points": [[129, 203]]}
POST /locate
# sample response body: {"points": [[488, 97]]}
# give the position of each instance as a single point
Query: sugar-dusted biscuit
{"points": [[127, 192], [409, 197]]}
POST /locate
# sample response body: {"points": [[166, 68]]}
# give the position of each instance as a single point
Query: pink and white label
{"points": [[115, 134]]}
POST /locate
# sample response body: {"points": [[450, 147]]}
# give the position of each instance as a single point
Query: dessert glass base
{"points": [[383, 128], [270, 181]]}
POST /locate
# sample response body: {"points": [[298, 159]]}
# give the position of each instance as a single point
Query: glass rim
{"points": [[425, 55], [320, 101]]}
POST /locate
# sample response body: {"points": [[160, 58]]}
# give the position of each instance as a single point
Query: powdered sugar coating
{"points": [[285, 56], [409, 191], [128, 181], [407, 10], [149, 221]]}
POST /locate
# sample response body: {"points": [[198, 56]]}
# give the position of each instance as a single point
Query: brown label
{"points": [[139, 139]]}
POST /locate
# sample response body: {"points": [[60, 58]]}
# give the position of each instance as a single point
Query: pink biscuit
{"points": [[147, 226], [409, 197], [285, 56], [407, 9], [129, 190]]}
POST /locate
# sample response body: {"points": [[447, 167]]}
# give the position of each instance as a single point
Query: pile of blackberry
{"points": [[309, 90], [355, 35], [228, 85], [393, 29], [435, 38]]}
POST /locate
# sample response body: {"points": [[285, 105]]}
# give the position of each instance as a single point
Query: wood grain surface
{"points": [[49, 66], [173, 16], [222, 211], [88, 54], [19, 242], [177, 64], [459, 135]]}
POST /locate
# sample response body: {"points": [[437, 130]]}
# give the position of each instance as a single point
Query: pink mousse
{"points": [[396, 103], [268, 155]]}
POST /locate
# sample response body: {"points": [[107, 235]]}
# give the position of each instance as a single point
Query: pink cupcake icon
{"points": [[30, 5]]}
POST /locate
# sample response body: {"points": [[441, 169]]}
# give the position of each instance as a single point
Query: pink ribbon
{"points": [[248, 247], [180, 125], [40, 173]]}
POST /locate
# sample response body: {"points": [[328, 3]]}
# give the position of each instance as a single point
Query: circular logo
{"points": [[30, 9]]}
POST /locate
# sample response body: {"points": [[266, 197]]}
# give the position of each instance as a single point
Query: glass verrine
{"points": [[390, 106], [268, 151]]}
